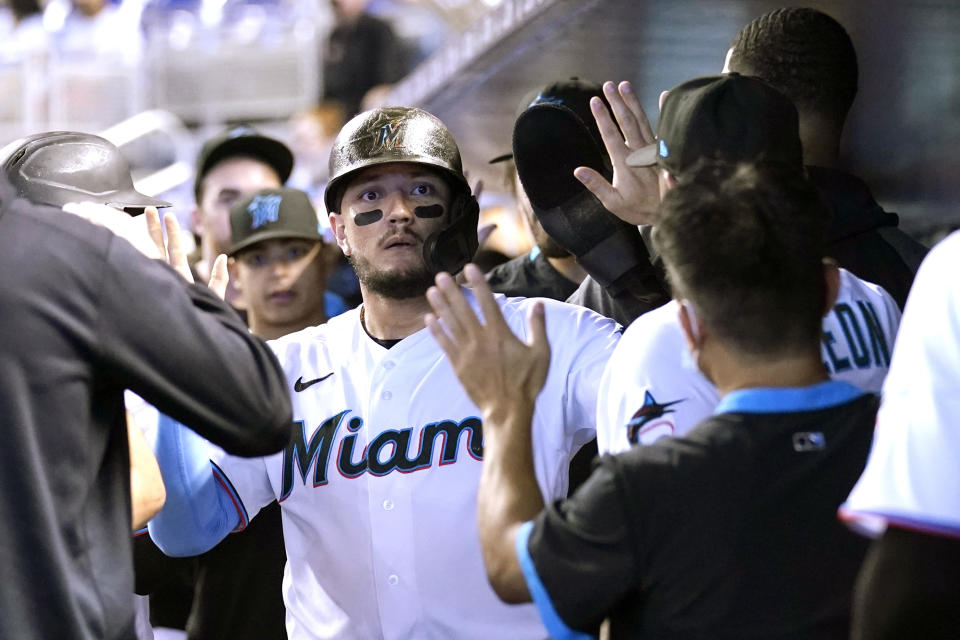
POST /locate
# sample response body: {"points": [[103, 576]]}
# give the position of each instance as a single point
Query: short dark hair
{"points": [[805, 54], [745, 244]]}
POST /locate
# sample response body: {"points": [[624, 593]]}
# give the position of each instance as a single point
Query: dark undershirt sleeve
{"points": [[578, 556]]}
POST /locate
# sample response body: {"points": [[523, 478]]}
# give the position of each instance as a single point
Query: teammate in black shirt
{"points": [[731, 531]]}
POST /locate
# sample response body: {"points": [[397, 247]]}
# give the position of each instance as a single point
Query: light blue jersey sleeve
{"points": [[200, 510]]}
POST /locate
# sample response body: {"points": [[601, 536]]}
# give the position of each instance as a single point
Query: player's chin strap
{"points": [[455, 245]]}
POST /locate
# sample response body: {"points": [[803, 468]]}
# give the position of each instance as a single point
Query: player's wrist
{"points": [[508, 418]]}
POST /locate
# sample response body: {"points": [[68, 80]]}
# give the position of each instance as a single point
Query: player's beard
{"points": [[397, 285]]}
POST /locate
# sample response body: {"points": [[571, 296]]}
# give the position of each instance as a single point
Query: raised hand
{"points": [[501, 374], [172, 248], [634, 194]]}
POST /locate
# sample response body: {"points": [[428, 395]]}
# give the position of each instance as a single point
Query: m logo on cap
{"points": [[389, 136], [264, 209]]}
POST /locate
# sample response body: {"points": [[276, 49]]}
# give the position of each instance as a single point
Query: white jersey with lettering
{"points": [[378, 486], [912, 477], [651, 387]]}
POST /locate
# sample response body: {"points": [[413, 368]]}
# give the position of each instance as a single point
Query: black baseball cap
{"points": [[730, 118], [243, 141], [272, 213], [57, 167]]}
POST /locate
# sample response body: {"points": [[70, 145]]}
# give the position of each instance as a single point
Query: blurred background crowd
{"points": [[159, 77]]}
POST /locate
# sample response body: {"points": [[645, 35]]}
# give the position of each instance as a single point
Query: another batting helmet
{"points": [[58, 167], [408, 134]]}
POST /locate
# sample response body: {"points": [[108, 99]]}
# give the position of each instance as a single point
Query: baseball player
{"points": [[907, 496], [650, 387], [731, 531], [378, 483]]}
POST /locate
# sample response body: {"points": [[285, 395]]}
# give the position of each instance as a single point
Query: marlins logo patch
{"points": [[642, 420], [389, 135], [264, 209]]}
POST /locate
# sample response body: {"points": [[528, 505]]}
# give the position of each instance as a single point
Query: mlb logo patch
{"points": [[264, 210]]}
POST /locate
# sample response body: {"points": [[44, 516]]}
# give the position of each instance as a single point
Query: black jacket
{"points": [[863, 238], [530, 277], [85, 316]]}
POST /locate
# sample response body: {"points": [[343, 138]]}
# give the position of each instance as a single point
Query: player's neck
{"points": [[391, 319], [569, 268], [789, 370], [821, 140]]}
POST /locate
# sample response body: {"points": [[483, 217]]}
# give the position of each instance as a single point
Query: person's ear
{"points": [[831, 280], [336, 224], [665, 182], [692, 330], [197, 220], [663, 97]]}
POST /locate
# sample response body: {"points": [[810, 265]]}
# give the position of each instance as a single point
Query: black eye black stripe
{"points": [[367, 217], [429, 211]]}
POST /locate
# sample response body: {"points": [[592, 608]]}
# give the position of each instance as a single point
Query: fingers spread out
{"points": [[448, 304], [598, 186], [629, 113], [492, 315], [537, 322], [626, 120], [219, 276], [175, 253], [633, 104], [155, 229], [612, 139], [440, 335]]}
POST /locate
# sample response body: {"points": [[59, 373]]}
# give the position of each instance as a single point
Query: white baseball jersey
{"points": [[652, 388], [912, 477], [378, 487]]}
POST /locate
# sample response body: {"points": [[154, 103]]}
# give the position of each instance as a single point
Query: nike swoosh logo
{"points": [[300, 385]]}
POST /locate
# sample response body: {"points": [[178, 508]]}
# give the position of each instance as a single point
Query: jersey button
{"points": [[388, 505], [386, 395], [393, 579], [389, 364]]}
